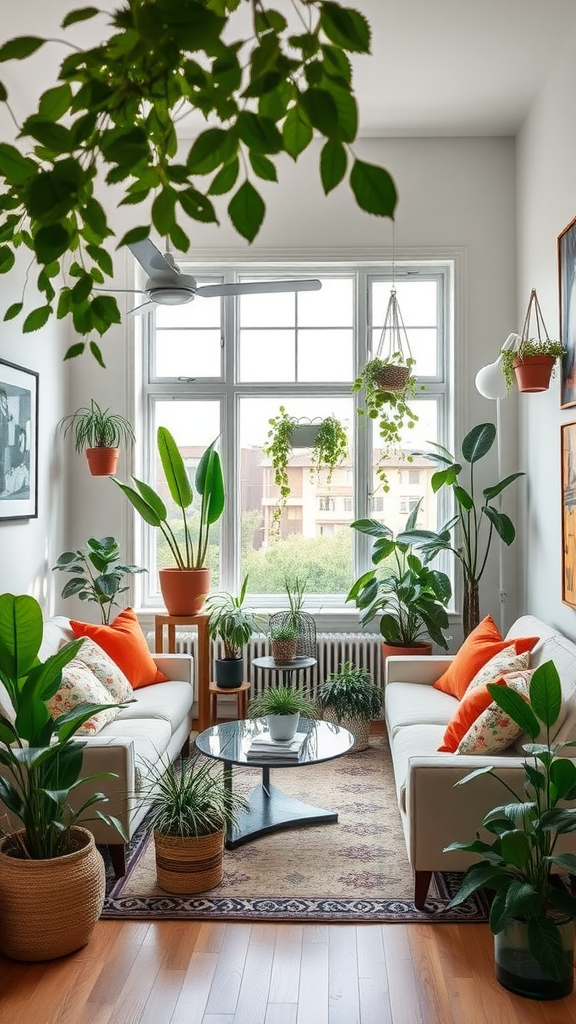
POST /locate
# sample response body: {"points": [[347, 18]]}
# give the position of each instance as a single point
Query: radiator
{"points": [[362, 649]]}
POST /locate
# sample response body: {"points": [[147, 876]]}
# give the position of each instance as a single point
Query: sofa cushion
{"points": [[78, 686], [494, 729], [106, 671], [150, 736], [413, 741], [171, 702], [473, 703], [505, 661], [126, 644], [481, 645], [57, 631], [413, 703]]}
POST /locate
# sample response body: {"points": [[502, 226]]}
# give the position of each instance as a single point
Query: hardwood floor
{"points": [[176, 972]]}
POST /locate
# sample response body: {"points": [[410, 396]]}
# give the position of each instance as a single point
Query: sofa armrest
{"points": [[176, 666], [415, 669]]}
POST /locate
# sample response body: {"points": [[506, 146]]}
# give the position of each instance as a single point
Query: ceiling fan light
{"points": [[176, 296]]}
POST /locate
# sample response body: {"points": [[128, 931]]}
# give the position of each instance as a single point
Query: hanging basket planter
{"points": [[392, 378]]}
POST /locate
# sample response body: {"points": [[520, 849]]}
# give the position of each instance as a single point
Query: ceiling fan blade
{"points": [[120, 291], [152, 260], [259, 287], [140, 309]]}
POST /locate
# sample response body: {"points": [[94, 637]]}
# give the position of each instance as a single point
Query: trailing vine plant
{"points": [[112, 113], [389, 408]]}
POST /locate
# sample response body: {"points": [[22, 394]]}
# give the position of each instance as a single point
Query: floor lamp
{"points": [[490, 384]]}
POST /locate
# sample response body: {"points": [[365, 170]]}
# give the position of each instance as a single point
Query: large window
{"points": [[224, 367]]}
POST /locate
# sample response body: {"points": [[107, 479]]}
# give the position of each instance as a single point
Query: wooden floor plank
{"points": [[253, 994], [403, 976], [162, 999], [373, 990], [344, 993], [432, 993], [285, 977], [314, 983], [227, 979], [191, 1003], [174, 942], [281, 1013]]}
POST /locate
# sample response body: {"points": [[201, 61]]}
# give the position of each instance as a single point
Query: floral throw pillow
{"points": [[79, 686], [503, 662], [494, 730], [106, 671]]}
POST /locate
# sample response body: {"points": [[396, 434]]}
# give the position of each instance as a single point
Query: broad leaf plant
{"points": [[113, 112]]}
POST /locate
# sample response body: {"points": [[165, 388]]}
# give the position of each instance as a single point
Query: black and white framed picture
{"points": [[18, 442], [567, 289]]}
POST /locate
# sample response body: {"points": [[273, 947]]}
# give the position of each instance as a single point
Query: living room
{"points": [[492, 199]]}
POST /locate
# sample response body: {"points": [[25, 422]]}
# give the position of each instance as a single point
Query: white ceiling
{"points": [[438, 67]]}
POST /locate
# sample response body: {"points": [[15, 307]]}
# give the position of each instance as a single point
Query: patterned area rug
{"points": [[354, 870]]}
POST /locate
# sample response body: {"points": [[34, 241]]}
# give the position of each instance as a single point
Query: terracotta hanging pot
{"points": [[533, 372], [393, 650], [184, 590], [103, 461]]}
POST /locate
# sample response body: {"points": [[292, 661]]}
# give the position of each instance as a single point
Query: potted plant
{"points": [[350, 699], [532, 912], [99, 433], [327, 439], [410, 598], [185, 587], [191, 807], [97, 574], [283, 642], [388, 385], [474, 522], [51, 874], [233, 623], [531, 360], [282, 707]]}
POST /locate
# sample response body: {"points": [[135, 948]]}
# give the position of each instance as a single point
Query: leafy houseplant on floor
{"points": [[410, 598], [282, 707], [350, 699], [97, 574], [388, 404], [475, 521], [185, 587], [190, 808], [233, 623], [531, 916], [51, 874], [327, 439], [99, 433]]}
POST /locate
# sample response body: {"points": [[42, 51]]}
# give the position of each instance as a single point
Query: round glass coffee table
{"points": [[270, 809]]}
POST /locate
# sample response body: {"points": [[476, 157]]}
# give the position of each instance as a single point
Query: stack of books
{"points": [[263, 748]]}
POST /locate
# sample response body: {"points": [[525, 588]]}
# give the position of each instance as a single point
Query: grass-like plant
{"points": [[350, 693], [284, 632], [94, 427], [191, 799], [281, 700]]}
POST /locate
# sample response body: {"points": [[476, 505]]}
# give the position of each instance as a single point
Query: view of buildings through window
{"points": [[224, 367]]}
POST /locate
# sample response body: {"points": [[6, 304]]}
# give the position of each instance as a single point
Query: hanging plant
{"points": [[329, 448], [537, 350]]}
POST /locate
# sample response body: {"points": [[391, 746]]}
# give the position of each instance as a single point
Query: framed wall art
{"points": [[568, 448], [567, 294], [18, 442]]}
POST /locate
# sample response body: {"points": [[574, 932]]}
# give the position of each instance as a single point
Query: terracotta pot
{"points": [[422, 647], [184, 590], [533, 372], [49, 908], [103, 461]]}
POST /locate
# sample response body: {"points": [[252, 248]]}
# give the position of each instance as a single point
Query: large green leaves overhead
{"points": [[113, 110]]}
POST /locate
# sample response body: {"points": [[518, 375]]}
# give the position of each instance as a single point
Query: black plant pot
{"points": [[229, 672]]}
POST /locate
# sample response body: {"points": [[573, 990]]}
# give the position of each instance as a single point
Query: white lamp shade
{"points": [[490, 381]]}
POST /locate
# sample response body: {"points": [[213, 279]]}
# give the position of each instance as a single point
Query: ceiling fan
{"points": [[168, 286]]}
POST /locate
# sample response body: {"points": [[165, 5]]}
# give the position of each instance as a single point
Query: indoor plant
{"points": [[410, 598], [233, 623], [99, 433], [185, 587], [474, 522], [282, 707], [350, 699], [530, 916], [51, 874], [97, 574], [283, 642], [327, 439], [387, 404], [531, 364], [190, 808]]}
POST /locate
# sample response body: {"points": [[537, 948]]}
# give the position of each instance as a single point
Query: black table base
{"points": [[271, 810]]}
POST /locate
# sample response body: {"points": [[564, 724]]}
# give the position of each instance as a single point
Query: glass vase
{"points": [[517, 970]]}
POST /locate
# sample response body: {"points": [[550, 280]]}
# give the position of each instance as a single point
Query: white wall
{"points": [[546, 156], [457, 196]]}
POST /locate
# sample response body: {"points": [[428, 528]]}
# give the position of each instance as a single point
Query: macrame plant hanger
{"points": [[393, 346], [533, 307]]}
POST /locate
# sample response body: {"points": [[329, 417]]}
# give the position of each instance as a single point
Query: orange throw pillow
{"points": [[469, 709], [481, 645], [126, 644]]}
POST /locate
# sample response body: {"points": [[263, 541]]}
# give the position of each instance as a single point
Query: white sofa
{"points": [[156, 726], [434, 813]]}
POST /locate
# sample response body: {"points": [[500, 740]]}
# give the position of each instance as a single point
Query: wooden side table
{"points": [[202, 662], [240, 692]]}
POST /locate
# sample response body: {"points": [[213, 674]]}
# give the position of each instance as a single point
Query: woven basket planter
{"points": [[283, 651], [359, 727], [49, 908], [190, 864], [393, 378]]}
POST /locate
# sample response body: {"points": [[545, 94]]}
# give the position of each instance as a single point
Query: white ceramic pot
{"points": [[283, 727]]}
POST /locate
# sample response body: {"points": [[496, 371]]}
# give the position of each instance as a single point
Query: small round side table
{"points": [[241, 693]]}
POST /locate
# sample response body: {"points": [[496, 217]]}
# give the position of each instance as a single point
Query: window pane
{"points": [[194, 426], [277, 309], [408, 476], [325, 355], [314, 539], [267, 356], [418, 303], [423, 346], [332, 306], [188, 353]]}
